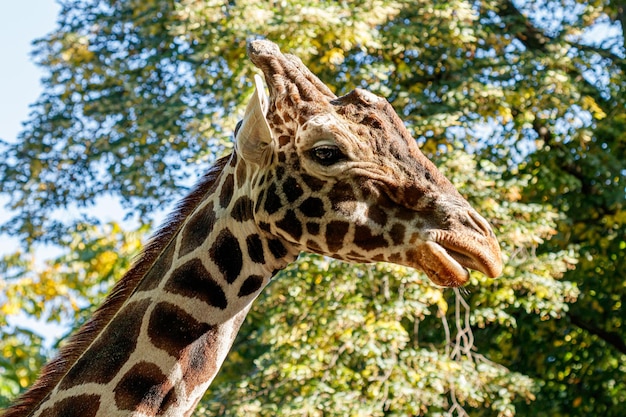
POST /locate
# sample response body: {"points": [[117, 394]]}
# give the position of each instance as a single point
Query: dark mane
{"points": [[54, 371]]}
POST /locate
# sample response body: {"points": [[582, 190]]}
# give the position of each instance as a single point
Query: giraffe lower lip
{"points": [[440, 266]]}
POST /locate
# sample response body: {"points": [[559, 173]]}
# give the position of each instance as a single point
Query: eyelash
{"points": [[327, 155]]}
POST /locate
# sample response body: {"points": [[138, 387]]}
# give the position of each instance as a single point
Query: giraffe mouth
{"points": [[443, 267], [446, 262]]}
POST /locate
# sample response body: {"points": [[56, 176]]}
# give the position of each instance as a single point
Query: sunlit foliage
{"points": [[522, 103]]}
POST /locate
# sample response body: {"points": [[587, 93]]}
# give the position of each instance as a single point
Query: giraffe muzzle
{"points": [[447, 264], [448, 254]]}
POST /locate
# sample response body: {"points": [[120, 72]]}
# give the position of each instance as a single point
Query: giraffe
{"points": [[310, 171]]}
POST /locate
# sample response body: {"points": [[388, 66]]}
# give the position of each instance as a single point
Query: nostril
{"points": [[478, 223]]}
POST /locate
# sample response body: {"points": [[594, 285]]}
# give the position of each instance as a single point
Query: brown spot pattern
{"points": [[276, 248], [313, 228], [313, 246], [197, 229], [291, 225], [284, 140], [397, 233], [292, 189], [192, 280], [163, 263], [341, 193], [242, 209], [313, 183], [78, 406], [143, 388], [110, 351], [377, 215], [250, 285], [255, 249], [227, 255], [364, 239], [226, 194], [241, 174], [312, 207], [272, 200], [335, 232], [198, 359], [172, 329]]}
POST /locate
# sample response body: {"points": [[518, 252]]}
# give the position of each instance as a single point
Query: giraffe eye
{"points": [[327, 155]]}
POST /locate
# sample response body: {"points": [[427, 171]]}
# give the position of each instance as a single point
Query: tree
{"points": [[138, 93], [67, 288]]}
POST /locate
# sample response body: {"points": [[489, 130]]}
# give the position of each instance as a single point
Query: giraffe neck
{"points": [[164, 345]]}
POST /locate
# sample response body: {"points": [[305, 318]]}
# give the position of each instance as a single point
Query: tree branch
{"points": [[531, 37], [621, 16], [612, 338]]}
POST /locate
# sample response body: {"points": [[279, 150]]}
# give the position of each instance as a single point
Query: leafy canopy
{"points": [[140, 96]]}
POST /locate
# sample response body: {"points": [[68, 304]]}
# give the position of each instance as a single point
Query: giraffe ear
{"points": [[254, 137]]}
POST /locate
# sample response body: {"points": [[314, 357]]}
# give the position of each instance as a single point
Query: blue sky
{"points": [[20, 81], [24, 21], [20, 85]]}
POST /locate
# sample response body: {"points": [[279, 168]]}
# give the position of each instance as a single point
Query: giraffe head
{"points": [[342, 176]]}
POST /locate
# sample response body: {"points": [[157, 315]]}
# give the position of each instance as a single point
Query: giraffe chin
{"points": [[440, 265]]}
